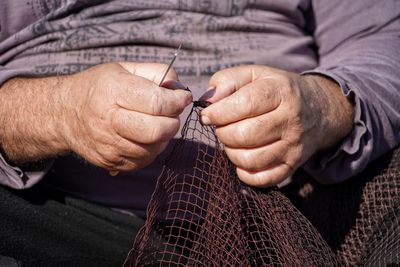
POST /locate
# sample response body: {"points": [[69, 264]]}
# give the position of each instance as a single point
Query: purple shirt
{"points": [[355, 43]]}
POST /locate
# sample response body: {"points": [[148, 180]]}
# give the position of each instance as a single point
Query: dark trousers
{"points": [[39, 227]]}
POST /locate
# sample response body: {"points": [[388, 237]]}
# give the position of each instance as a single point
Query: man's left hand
{"points": [[272, 121]]}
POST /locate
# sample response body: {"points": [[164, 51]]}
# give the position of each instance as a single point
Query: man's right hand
{"points": [[114, 115]]}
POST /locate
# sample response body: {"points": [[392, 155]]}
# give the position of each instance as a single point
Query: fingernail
{"points": [[208, 94], [172, 84], [205, 120]]}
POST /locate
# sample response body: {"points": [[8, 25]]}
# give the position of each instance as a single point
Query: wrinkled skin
{"points": [[272, 121], [114, 115]]}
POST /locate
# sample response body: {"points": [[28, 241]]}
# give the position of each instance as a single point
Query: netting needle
{"points": [[170, 64], [176, 53]]}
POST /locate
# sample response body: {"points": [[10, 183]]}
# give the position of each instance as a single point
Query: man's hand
{"points": [[114, 115], [272, 121]]}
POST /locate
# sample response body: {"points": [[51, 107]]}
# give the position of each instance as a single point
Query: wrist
{"points": [[334, 110], [58, 94]]}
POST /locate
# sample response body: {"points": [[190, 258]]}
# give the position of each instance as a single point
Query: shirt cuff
{"points": [[343, 160], [16, 177]]}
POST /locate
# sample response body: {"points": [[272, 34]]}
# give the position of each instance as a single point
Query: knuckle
{"points": [[286, 145], [294, 137], [142, 152], [288, 168], [239, 136], [247, 103], [156, 103], [129, 165], [181, 100], [103, 161], [114, 159], [109, 158], [246, 160], [260, 124], [154, 134]]}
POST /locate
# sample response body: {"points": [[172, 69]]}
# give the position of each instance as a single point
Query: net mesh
{"points": [[359, 218], [201, 214]]}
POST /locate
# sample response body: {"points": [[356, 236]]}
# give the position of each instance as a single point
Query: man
{"points": [[271, 119]]}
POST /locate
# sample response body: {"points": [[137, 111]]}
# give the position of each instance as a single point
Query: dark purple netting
{"points": [[359, 218], [205, 216]]}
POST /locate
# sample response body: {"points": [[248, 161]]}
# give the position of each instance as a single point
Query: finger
{"points": [[120, 163], [125, 155], [144, 128], [227, 81], [128, 164], [151, 71], [145, 155], [141, 95], [253, 132], [128, 149], [265, 178], [257, 159], [253, 99]]}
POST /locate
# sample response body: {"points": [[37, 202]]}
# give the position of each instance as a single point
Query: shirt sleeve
{"points": [[14, 176], [359, 47]]}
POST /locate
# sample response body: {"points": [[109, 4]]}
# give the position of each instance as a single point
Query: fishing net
{"points": [[202, 215], [360, 218]]}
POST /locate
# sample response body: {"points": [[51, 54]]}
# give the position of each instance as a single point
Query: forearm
{"points": [[360, 52], [30, 113]]}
